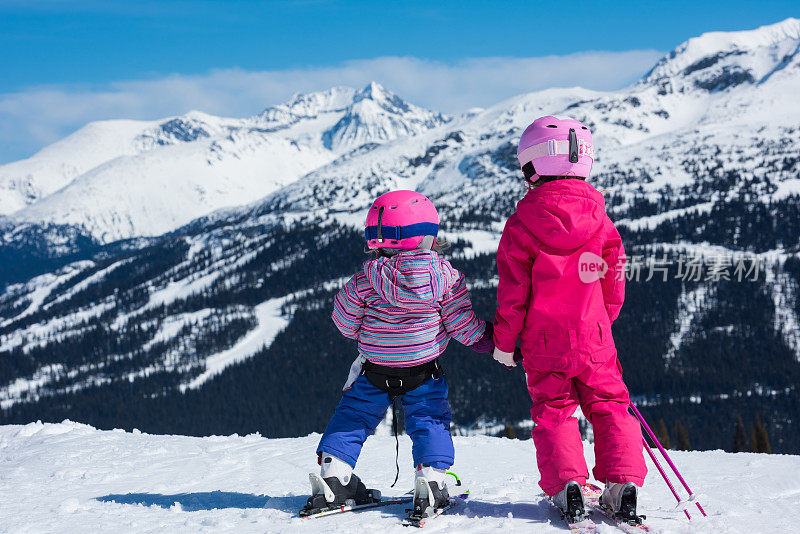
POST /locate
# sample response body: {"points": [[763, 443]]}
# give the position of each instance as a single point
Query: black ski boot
{"points": [[621, 499], [570, 502]]}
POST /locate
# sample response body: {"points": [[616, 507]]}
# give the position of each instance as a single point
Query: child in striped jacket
{"points": [[402, 308]]}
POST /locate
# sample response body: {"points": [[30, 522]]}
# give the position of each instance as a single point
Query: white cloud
{"points": [[38, 116]]}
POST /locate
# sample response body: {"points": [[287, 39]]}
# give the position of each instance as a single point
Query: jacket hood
{"points": [[411, 279], [563, 214]]}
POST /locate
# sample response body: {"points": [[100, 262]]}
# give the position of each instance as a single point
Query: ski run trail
{"points": [[70, 477]]}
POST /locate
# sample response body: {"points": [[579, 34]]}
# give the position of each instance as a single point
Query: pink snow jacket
{"points": [[403, 310], [550, 292]]}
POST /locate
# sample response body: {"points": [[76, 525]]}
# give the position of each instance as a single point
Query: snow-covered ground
{"points": [[70, 477]]}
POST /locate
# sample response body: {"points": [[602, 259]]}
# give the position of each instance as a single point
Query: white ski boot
{"points": [[430, 491], [621, 499], [570, 502], [336, 485]]}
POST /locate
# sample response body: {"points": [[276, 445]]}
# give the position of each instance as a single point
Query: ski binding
{"points": [[632, 525]]}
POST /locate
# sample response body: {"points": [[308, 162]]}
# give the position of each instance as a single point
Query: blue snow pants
{"points": [[363, 406]]}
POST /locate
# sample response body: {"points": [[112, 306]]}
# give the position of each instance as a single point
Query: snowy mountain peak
{"points": [[716, 61], [210, 162], [190, 165], [378, 115], [383, 98], [305, 105], [375, 91], [186, 128]]}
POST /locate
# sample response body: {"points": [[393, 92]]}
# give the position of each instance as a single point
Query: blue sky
{"points": [[67, 62]]}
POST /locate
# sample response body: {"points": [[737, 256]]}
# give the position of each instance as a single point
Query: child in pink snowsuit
{"points": [[560, 263]]}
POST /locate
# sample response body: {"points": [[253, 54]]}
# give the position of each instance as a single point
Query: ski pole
{"points": [[652, 435], [664, 475]]}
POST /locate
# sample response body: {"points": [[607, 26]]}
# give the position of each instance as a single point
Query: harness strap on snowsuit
{"points": [[396, 381], [396, 443]]}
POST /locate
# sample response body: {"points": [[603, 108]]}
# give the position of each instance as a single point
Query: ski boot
{"points": [[336, 486], [430, 492], [621, 499], [570, 502]]}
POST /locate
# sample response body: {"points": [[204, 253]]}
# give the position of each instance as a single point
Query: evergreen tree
{"points": [[753, 439], [762, 439], [739, 436], [663, 435], [682, 437], [510, 432]]}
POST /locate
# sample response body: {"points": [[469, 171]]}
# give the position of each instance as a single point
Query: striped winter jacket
{"points": [[403, 310]]}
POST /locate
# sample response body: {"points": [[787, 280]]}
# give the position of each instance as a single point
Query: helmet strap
{"points": [[530, 174], [528, 171]]}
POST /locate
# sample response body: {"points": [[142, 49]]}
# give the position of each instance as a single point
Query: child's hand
{"points": [[485, 345], [506, 358]]}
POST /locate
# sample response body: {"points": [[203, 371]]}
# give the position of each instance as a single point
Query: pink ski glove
{"points": [[506, 358]]}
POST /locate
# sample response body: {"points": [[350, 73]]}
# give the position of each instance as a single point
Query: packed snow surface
{"points": [[70, 477]]}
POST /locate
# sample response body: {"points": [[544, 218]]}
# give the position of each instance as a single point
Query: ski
{"points": [[585, 526], [323, 512], [591, 495]]}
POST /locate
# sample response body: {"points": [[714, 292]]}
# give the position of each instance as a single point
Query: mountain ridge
{"points": [[188, 166], [710, 62]]}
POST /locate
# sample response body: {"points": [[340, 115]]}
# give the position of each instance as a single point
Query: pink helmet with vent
{"points": [[556, 147], [401, 220]]}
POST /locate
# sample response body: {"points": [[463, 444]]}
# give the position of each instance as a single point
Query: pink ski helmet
{"points": [[555, 147], [401, 220]]}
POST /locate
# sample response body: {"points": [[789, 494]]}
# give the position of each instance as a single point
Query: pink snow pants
{"points": [[589, 376]]}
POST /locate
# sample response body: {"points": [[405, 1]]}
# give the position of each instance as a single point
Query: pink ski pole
{"points": [[653, 437], [664, 475]]}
